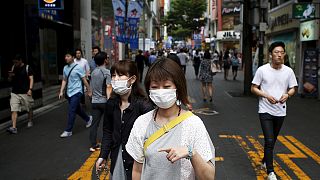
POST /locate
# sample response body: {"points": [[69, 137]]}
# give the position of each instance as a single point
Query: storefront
{"points": [[41, 37], [282, 27], [309, 76], [228, 40]]}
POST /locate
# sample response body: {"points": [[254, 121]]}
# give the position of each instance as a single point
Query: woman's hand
{"points": [[174, 154], [100, 164]]}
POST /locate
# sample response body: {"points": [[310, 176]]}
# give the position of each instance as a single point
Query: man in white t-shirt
{"points": [[83, 63], [274, 83], [183, 59]]}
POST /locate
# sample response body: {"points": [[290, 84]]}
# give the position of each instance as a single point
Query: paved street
{"points": [[232, 121]]}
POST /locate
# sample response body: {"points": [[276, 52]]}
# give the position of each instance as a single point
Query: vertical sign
{"points": [[134, 13], [310, 72], [119, 14]]}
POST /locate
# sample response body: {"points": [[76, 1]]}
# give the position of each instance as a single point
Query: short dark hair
{"points": [[166, 69], [276, 44], [18, 57], [100, 57], [96, 47], [70, 52]]}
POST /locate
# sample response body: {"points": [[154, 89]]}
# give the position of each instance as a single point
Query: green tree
{"points": [[185, 17]]}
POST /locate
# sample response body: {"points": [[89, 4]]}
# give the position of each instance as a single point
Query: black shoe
{"points": [[210, 99]]}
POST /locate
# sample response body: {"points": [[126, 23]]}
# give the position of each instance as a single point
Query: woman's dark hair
{"points": [[166, 69], [100, 57], [207, 54], [129, 68]]}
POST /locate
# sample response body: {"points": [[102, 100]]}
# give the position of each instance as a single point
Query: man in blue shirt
{"points": [[73, 79]]}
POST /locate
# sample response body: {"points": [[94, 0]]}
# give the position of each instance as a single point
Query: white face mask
{"points": [[120, 86], [163, 98]]}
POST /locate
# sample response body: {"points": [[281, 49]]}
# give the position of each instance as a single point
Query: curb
{"points": [[36, 113]]}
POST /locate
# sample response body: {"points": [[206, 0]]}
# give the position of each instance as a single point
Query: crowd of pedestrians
{"points": [[147, 132]]}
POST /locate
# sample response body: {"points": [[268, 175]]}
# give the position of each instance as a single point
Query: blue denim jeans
{"points": [[271, 126], [75, 108]]}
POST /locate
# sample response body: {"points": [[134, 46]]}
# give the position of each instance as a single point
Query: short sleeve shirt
{"points": [[193, 132], [21, 81], [84, 64], [274, 82], [75, 79], [97, 77]]}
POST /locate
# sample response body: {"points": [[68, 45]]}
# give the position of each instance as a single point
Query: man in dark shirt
{"points": [[21, 77], [140, 60]]}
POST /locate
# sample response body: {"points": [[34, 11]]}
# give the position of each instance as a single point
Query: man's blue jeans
{"points": [[75, 108]]}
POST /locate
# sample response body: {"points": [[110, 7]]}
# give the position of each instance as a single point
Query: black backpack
{"points": [[104, 86]]}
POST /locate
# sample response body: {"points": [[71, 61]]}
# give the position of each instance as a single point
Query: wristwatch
{"points": [[190, 153]]}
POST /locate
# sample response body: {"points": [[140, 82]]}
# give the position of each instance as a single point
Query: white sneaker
{"points": [[264, 166], [89, 122], [30, 124], [272, 176], [66, 134]]}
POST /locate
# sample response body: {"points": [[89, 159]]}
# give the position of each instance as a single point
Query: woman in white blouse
{"points": [[184, 151]]}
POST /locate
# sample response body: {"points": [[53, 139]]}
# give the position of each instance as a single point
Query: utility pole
{"points": [[246, 48], [262, 28]]}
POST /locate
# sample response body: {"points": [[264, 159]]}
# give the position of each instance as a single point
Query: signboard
{"points": [[51, 4], [303, 10], [310, 72], [309, 30], [228, 35], [133, 15], [119, 21]]}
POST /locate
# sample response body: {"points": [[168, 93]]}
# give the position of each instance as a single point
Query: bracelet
{"points": [[190, 153]]}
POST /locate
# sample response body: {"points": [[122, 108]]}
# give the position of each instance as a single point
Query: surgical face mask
{"points": [[120, 86], [163, 98]]}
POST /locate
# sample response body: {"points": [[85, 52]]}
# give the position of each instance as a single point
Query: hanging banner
{"points": [[119, 19], [133, 15]]}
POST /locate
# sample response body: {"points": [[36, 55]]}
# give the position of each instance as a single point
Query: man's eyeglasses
{"points": [[277, 52]]}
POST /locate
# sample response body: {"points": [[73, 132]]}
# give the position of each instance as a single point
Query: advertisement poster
{"points": [[303, 10], [310, 72], [133, 15], [119, 19], [289, 40]]}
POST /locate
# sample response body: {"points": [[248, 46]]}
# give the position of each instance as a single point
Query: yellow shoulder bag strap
{"points": [[165, 128]]}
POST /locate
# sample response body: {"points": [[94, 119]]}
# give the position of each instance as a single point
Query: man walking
{"points": [[21, 77], [274, 83], [73, 77], [101, 92]]}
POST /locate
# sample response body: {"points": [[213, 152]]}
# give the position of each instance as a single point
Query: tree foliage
{"points": [[185, 17]]}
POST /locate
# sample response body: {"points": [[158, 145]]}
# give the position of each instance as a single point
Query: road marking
{"points": [[219, 159], [279, 171], [85, 171], [254, 157], [205, 111], [304, 148], [286, 158]]}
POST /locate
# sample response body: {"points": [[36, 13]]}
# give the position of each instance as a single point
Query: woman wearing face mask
{"points": [[127, 102], [169, 142]]}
